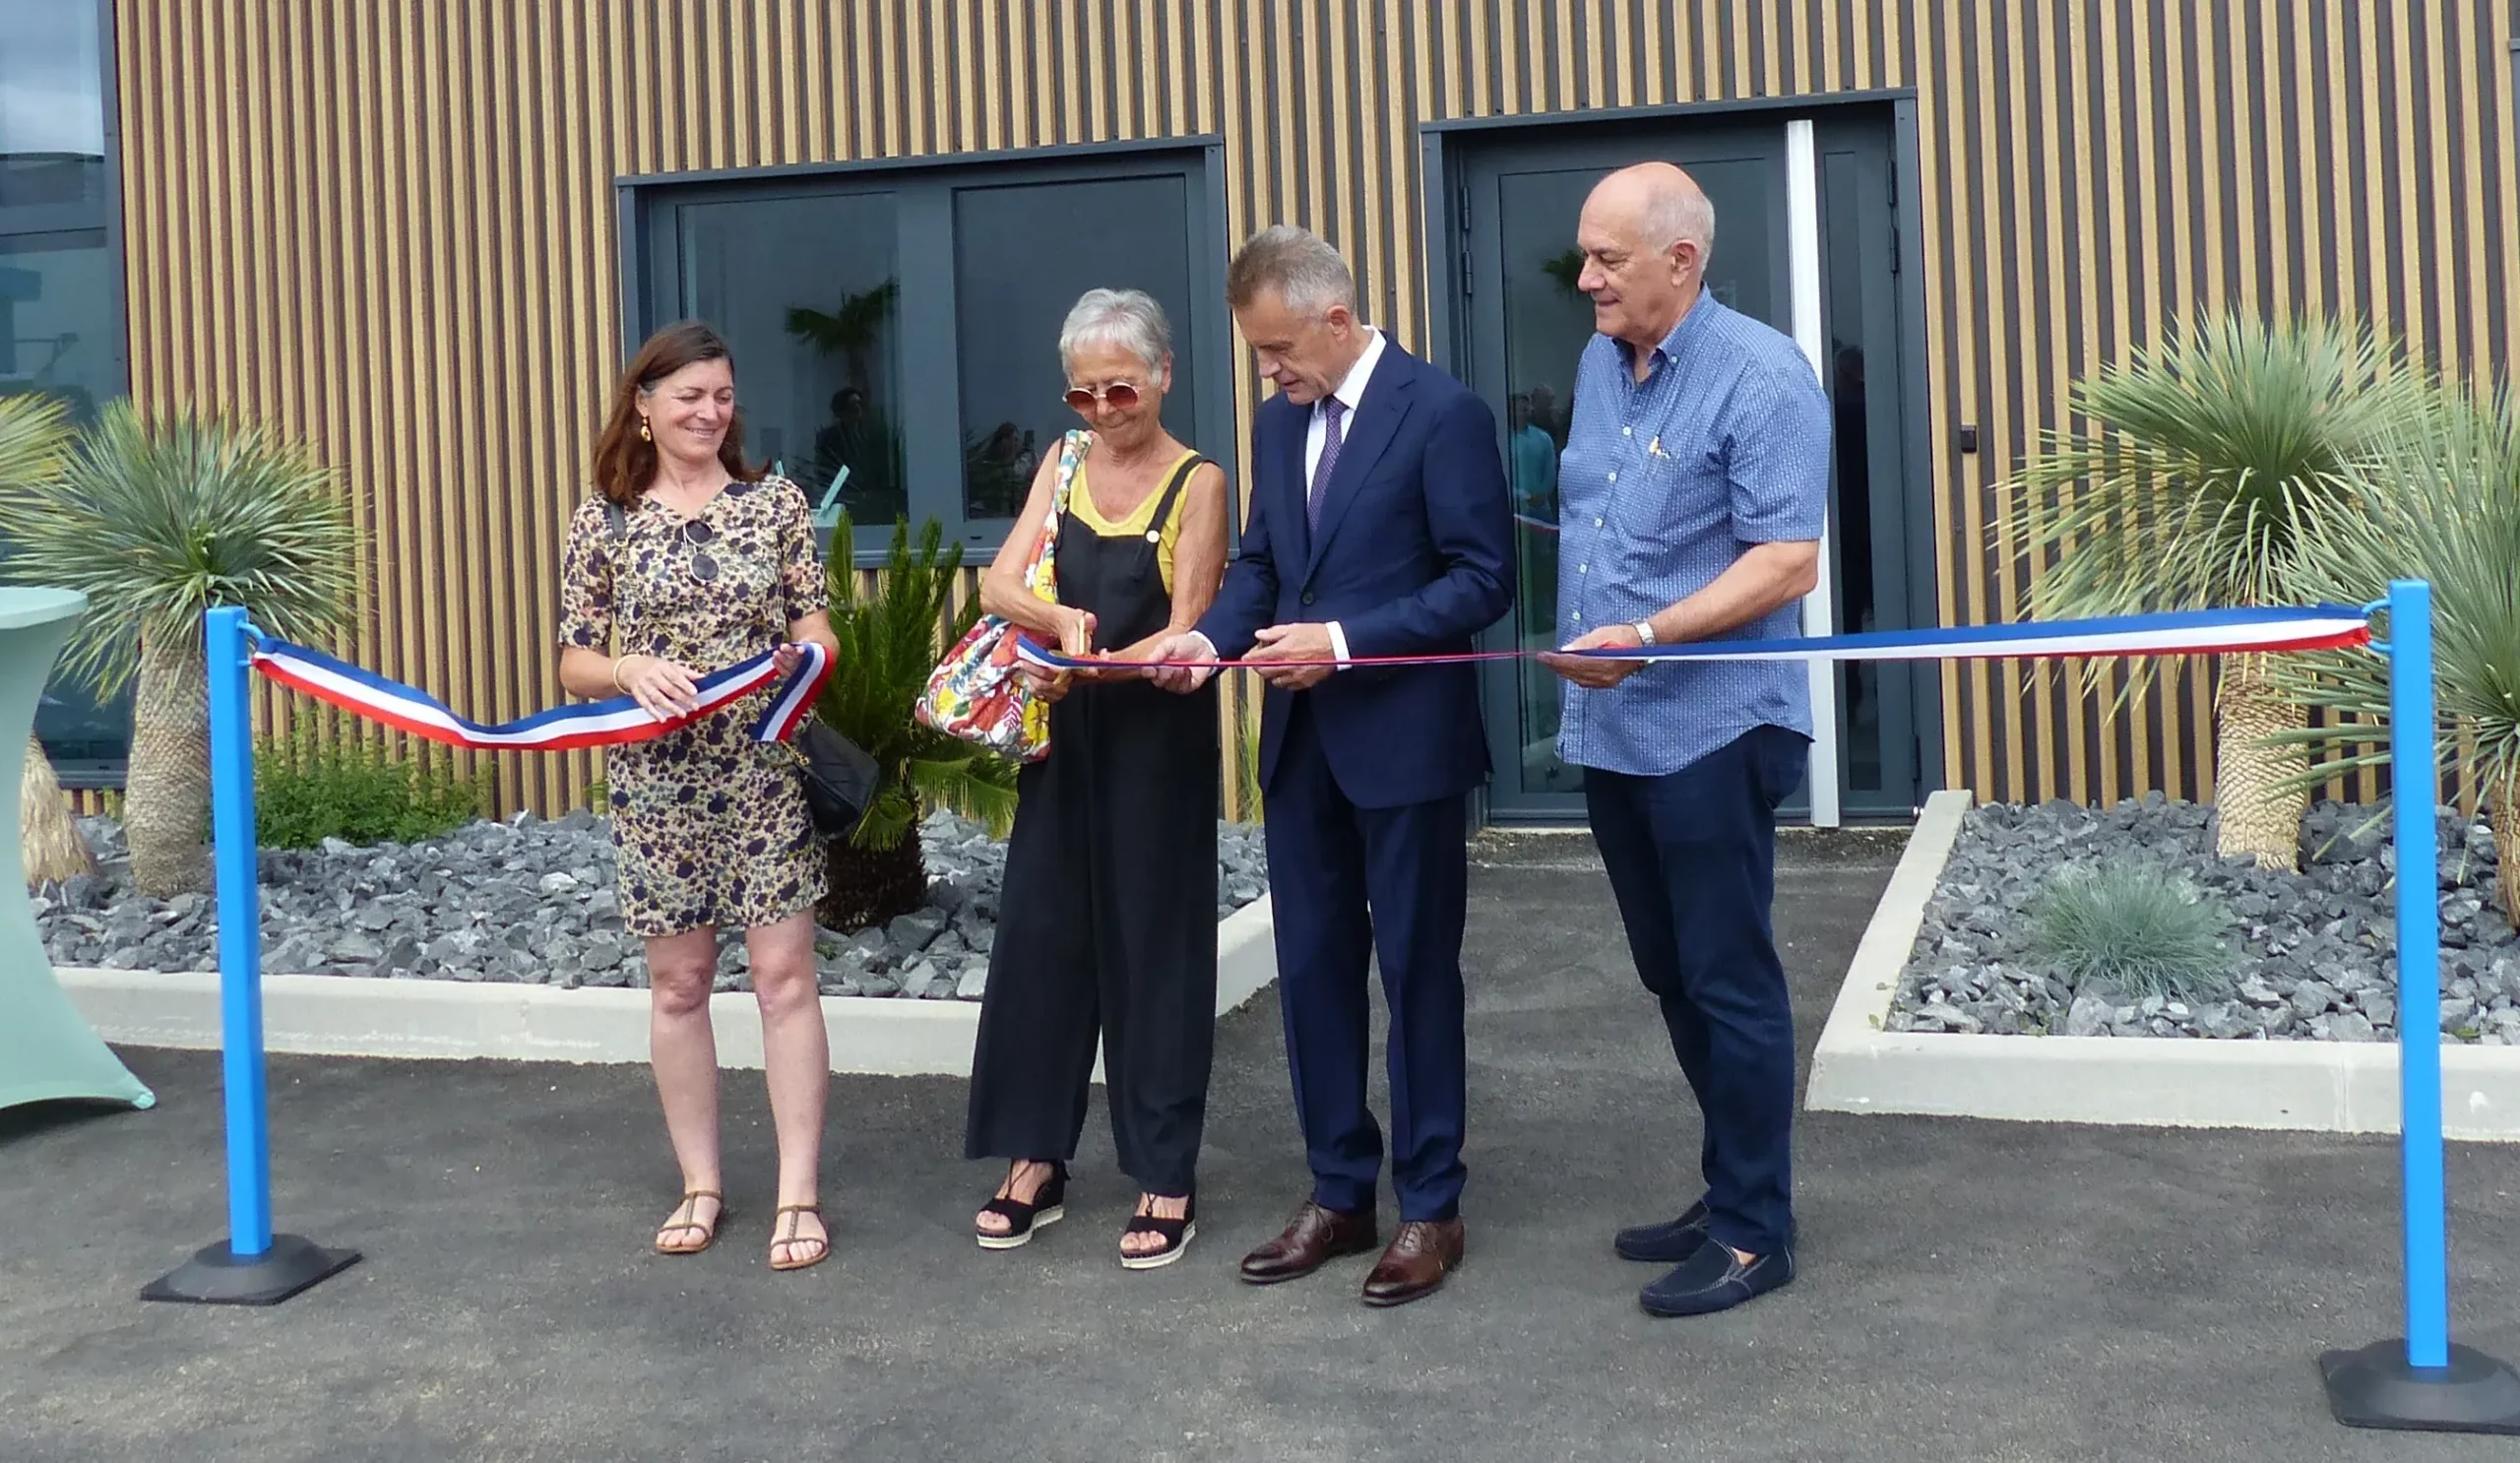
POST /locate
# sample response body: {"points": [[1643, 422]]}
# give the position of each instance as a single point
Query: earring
{"points": [[643, 430]]}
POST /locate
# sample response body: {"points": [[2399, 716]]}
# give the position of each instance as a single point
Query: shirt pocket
{"points": [[1670, 498]]}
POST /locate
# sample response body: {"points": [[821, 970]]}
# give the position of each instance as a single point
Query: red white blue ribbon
{"points": [[2191, 632], [608, 723]]}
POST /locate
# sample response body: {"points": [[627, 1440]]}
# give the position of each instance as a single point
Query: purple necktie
{"points": [[1331, 407]]}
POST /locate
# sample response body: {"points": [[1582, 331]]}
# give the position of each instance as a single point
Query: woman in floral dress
{"points": [[688, 560]]}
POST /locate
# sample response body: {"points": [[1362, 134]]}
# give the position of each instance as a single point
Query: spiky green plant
{"points": [[156, 523], [2133, 928], [2207, 460], [2442, 506], [889, 642], [32, 429]]}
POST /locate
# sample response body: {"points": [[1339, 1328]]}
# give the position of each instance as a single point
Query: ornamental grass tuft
{"points": [[2135, 929]]}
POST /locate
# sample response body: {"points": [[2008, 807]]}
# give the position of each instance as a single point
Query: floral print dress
{"points": [[710, 828]]}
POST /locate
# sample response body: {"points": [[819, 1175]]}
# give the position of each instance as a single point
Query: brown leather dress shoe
{"points": [[1422, 1252], [1312, 1238]]}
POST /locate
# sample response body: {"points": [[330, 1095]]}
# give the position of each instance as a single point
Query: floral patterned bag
{"points": [[978, 692]]}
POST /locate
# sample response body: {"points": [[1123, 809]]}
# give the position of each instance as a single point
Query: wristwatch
{"points": [[1644, 629]]}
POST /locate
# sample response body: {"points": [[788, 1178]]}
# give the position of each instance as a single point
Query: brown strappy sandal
{"points": [[794, 1241], [708, 1232]]}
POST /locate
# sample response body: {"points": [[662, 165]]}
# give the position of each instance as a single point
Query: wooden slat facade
{"points": [[389, 226]]}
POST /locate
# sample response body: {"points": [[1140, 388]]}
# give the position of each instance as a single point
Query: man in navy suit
{"points": [[1379, 525]]}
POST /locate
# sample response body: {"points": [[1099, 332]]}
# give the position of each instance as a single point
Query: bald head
{"points": [[1661, 203], [1646, 232]]}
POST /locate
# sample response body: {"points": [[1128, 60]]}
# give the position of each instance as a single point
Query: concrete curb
{"points": [[2308, 1086], [450, 1020]]}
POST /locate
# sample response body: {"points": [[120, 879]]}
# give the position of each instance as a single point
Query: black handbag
{"points": [[839, 779]]}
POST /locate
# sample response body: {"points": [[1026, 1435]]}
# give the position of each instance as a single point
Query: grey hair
{"points": [[1677, 214], [1127, 318], [1298, 264]]}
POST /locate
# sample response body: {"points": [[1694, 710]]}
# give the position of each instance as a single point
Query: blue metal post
{"points": [[255, 1267], [240, 936], [2416, 780]]}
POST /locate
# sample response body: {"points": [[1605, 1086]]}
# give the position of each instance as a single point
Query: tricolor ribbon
{"points": [[2190, 632], [620, 718], [608, 723]]}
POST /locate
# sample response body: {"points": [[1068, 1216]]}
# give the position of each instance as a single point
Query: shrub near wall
{"points": [[306, 791]]}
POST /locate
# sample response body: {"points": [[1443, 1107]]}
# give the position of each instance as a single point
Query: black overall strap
{"points": [[1171, 491]]}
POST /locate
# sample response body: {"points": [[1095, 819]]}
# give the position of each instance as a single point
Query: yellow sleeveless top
{"points": [[1080, 503]]}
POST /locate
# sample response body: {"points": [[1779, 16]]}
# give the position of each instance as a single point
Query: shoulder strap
{"points": [[615, 516], [1171, 491], [1073, 446]]}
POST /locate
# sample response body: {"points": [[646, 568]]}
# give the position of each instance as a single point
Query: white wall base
{"points": [[2339, 1087], [360, 1016]]}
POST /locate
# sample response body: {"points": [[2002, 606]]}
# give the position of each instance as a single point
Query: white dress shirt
{"points": [[1350, 392], [1315, 433]]}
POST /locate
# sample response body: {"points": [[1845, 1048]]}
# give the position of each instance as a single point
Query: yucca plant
{"points": [[2443, 505], [32, 435], [890, 640], [2206, 461], [156, 523]]}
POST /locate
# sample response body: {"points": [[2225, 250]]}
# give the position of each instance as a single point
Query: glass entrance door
{"points": [[1527, 326]]}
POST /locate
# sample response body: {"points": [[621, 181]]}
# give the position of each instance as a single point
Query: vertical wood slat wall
{"points": [[388, 228]]}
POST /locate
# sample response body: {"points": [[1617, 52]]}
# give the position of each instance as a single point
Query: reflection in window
{"points": [[56, 319], [53, 113], [1022, 255], [56, 339], [806, 292]]}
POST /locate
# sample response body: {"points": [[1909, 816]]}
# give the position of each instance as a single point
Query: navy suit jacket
{"points": [[1413, 555]]}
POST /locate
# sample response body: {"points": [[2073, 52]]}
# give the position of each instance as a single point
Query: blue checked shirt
{"points": [[1662, 486]]}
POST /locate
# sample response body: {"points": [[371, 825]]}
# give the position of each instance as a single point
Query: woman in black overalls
{"points": [[1107, 925]]}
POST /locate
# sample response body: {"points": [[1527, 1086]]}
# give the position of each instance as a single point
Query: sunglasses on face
{"points": [[1119, 396], [697, 536]]}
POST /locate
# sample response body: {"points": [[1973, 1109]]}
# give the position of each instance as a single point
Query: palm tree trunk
{"points": [[2259, 819], [49, 841], [871, 887], [2503, 815], [166, 798]]}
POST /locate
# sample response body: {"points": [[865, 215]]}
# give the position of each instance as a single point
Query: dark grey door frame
{"points": [[1443, 148]]}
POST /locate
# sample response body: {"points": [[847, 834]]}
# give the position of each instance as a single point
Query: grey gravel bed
{"points": [[2316, 950], [530, 901]]}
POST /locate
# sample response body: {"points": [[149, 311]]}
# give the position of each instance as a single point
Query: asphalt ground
{"points": [[1969, 1290]]}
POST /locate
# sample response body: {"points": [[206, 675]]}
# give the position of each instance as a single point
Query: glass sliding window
{"points": [[61, 285], [806, 292], [52, 112], [1022, 255], [895, 323], [56, 319]]}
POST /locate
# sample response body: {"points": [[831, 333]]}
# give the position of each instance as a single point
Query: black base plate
{"points": [[2374, 1387], [216, 1276]]}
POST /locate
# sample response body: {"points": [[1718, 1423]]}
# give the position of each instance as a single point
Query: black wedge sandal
{"points": [[1048, 1206], [1175, 1233]]}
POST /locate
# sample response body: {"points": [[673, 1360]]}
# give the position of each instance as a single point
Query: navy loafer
{"points": [[1663, 1243], [1715, 1279]]}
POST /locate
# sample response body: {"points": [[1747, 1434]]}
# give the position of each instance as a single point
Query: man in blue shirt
{"points": [[1692, 495]]}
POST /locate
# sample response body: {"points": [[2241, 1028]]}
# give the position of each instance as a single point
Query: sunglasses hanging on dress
{"points": [[697, 536]]}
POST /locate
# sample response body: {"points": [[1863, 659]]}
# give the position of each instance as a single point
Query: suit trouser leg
{"points": [[1323, 935], [1711, 828], [1417, 876]]}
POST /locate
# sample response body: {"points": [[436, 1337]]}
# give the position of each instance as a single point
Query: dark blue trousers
{"points": [[1347, 883], [1692, 861]]}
